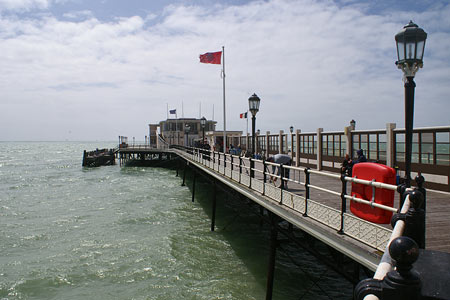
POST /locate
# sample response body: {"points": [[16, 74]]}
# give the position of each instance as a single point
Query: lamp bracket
{"points": [[409, 70]]}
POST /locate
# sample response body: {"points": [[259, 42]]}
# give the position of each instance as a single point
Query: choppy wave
{"points": [[67, 232]]}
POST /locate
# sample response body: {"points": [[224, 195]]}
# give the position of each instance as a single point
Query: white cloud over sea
{"points": [[314, 63]]}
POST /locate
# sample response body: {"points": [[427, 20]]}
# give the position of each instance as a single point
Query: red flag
{"points": [[211, 58]]}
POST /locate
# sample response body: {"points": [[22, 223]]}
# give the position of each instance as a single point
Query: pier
{"points": [[315, 207]]}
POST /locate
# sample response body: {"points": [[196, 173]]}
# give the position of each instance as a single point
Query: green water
{"points": [[68, 232]]}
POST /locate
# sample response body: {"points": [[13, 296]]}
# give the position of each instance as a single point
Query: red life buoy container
{"points": [[379, 173]]}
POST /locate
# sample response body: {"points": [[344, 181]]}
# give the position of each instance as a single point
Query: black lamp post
{"points": [[203, 123], [253, 105], [410, 48], [353, 124], [187, 128], [291, 130]]}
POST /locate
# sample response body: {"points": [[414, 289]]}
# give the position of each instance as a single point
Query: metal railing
{"points": [[238, 169]]}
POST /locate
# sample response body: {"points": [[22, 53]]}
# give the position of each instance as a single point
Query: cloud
{"points": [[313, 64], [23, 5]]}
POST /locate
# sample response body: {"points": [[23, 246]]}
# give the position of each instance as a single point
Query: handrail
{"points": [[385, 264]]}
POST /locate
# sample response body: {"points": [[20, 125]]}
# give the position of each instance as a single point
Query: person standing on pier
{"points": [[361, 157], [347, 165], [283, 159]]}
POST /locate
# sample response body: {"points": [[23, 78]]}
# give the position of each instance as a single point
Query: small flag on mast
{"points": [[173, 111], [243, 115], [211, 58]]}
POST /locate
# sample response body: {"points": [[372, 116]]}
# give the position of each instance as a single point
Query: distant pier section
{"points": [[99, 157]]}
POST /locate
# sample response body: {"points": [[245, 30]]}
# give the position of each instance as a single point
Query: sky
{"points": [[83, 70]]}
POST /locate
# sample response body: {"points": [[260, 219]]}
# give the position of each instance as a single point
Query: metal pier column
{"points": [[184, 175], [213, 216], [272, 255], [193, 186]]}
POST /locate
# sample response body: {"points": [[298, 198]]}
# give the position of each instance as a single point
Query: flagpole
{"points": [[224, 114], [176, 127], [246, 116]]}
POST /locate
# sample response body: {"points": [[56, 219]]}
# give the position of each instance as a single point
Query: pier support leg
{"points": [[184, 175], [213, 215], [261, 219], [193, 186], [272, 256]]}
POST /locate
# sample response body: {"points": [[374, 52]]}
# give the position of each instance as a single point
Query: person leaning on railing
{"points": [[283, 159], [346, 167]]}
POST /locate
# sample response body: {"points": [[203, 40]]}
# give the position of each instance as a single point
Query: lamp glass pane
{"points": [[410, 50], [401, 51], [420, 48]]}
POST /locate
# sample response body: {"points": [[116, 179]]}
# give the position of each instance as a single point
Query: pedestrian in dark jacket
{"points": [[361, 157], [347, 165]]}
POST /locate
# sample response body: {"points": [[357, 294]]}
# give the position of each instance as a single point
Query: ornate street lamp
{"points": [[203, 124], [253, 106], [187, 128], [353, 124], [410, 48]]}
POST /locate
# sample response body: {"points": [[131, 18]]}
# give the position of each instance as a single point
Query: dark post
{"points": [[203, 124], [410, 43], [264, 170], [343, 202], [240, 168], [184, 175], [272, 255], [231, 158], [193, 186], [409, 117], [252, 162], [414, 219], [213, 217], [253, 104], [307, 179]]}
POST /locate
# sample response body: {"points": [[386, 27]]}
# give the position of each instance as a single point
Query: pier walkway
{"points": [[317, 203], [323, 205]]}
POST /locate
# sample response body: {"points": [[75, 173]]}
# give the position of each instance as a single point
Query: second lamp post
{"points": [[203, 123], [253, 107]]}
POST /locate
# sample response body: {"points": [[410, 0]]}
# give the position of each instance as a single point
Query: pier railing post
{"points": [[307, 181], [231, 158], [414, 219], [264, 176], [343, 202], [224, 161], [240, 168]]}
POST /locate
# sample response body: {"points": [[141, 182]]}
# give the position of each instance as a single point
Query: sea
{"points": [[117, 232]]}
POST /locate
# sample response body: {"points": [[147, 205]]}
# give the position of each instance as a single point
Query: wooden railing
{"points": [[326, 150]]}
